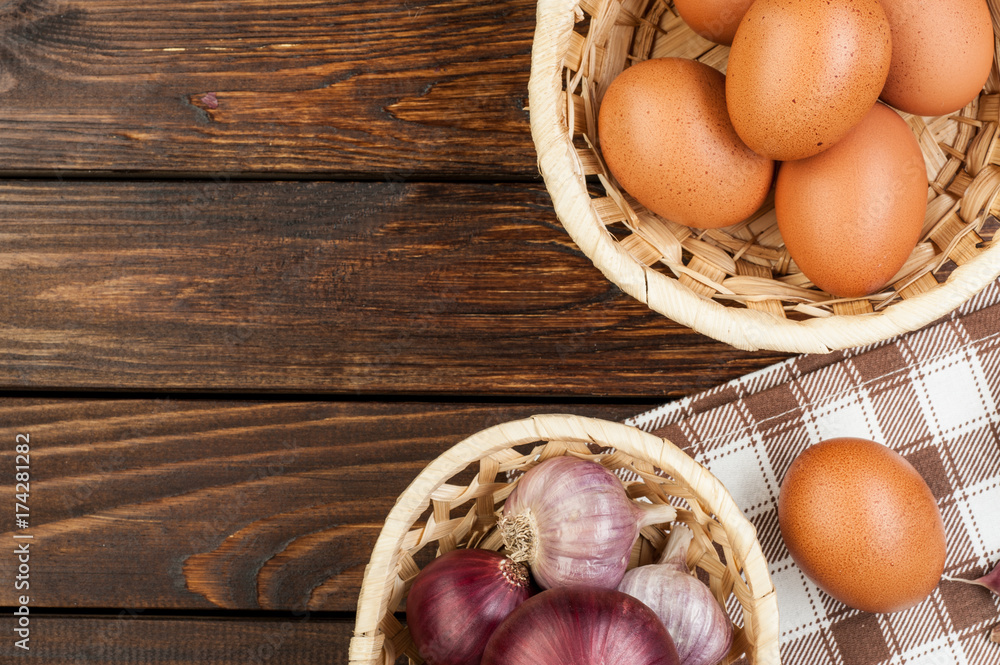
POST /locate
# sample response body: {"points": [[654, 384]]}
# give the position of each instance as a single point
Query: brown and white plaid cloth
{"points": [[933, 396]]}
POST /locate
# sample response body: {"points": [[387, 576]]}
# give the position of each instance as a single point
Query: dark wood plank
{"points": [[129, 637], [376, 288], [414, 88], [198, 504]]}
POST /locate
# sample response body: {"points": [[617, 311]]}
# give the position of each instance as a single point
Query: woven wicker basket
{"points": [[738, 285], [438, 513]]}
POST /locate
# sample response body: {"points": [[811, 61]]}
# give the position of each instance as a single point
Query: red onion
{"points": [[457, 601], [700, 627], [571, 521], [576, 625]]}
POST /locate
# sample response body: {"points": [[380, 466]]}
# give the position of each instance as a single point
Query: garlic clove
{"points": [[990, 580]]}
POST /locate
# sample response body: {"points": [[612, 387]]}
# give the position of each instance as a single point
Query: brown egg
{"points": [[666, 137], [862, 524], [715, 20], [802, 73], [942, 51], [851, 216]]}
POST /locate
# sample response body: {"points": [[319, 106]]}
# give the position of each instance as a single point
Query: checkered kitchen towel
{"points": [[934, 396]]}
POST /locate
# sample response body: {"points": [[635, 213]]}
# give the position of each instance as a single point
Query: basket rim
{"points": [[744, 329], [367, 638]]}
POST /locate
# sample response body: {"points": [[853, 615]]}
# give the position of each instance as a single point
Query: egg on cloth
{"points": [[666, 137], [861, 522], [802, 73], [715, 20], [852, 215], [942, 52]]}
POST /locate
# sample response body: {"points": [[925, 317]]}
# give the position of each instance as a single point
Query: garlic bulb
{"points": [[700, 627], [571, 521]]}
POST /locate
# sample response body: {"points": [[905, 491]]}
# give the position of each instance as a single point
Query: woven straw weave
{"points": [[739, 285], [438, 513]]}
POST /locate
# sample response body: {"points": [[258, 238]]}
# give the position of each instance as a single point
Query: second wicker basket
{"points": [[738, 284], [453, 502]]}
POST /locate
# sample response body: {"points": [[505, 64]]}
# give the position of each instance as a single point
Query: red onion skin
{"points": [[586, 524], [458, 600], [577, 625]]}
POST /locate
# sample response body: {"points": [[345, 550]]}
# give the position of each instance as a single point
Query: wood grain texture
{"points": [[201, 504], [325, 287], [237, 87], [129, 637]]}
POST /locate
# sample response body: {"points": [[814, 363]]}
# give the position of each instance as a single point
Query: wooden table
{"points": [[261, 261]]}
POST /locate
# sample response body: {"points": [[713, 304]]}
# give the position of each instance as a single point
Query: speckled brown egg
{"points": [[851, 216], [715, 20], [666, 137], [802, 73], [942, 51], [862, 524]]}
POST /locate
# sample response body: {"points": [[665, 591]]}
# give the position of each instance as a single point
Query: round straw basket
{"points": [[738, 284], [453, 503]]}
